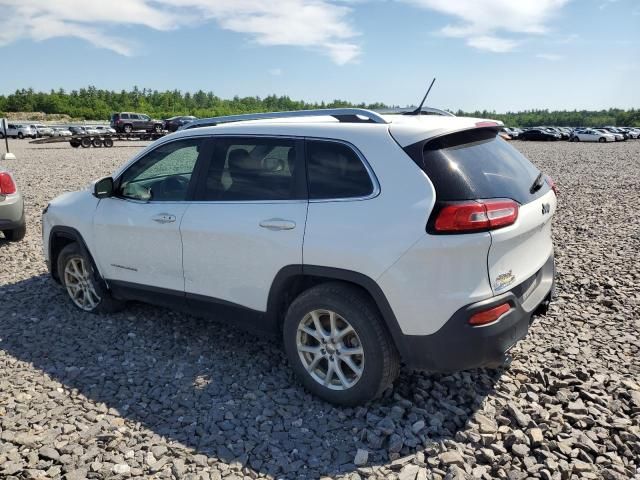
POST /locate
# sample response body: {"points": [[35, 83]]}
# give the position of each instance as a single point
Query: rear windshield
{"points": [[476, 164]]}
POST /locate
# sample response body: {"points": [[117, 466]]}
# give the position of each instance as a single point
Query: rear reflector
{"points": [[552, 184], [7, 185], [476, 215], [491, 315]]}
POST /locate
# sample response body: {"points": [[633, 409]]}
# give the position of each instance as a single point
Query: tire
{"points": [[74, 143], [15, 234], [85, 142], [20, 135], [379, 360], [96, 142], [97, 299], [127, 129], [157, 128], [576, 139], [602, 140], [108, 142]]}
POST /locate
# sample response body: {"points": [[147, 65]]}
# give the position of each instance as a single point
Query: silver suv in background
{"points": [[18, 130]]}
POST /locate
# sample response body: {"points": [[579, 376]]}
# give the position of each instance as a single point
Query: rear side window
{"points": [[476, 164], [335, 171], [252, 169], [124, 116]]}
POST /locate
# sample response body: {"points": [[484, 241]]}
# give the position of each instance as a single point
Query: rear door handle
{"points": [[164, 218], [278, 224]]}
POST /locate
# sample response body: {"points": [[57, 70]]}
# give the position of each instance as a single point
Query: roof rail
{"points": [[412, 111], [350, 115]]}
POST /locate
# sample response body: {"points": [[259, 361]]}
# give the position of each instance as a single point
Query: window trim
{"points": [[372, 175], [206, 148], [301, 165]]}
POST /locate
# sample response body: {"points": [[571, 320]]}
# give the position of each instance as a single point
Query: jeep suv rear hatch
{"points": [[483, 184]]}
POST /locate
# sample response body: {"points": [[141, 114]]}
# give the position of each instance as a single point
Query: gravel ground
{"points": [[155, 394]]}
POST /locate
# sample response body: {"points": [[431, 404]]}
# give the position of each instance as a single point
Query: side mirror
{"points": [[103, 188]]}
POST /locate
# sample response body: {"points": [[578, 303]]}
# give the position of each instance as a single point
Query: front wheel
{"points": [[602, 140], [82, 282], [127, 129], [338, 346], [157, 128], [20, 135]]}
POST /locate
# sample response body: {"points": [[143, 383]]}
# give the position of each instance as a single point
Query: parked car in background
{"points": [[12, 222], [42, 130], [127, 122], [275, 233], [619, 131], [539, 134], [591, 135], [512, 132], [61, 132], [101, 129], [174, 123], [76, 130], [618, 136], [633, 132], [18, 130]]}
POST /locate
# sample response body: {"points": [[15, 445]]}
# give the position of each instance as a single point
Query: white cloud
{"points": [[318, 25], [484, 23], [552, 57]]}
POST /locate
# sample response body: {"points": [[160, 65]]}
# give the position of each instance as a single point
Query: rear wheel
{"points": [[108, 142], [338, 346], [602, 140], [127, 129], [85, 142], [15, 234], [20, 135], [82, 282], [157, 128], [74, 143], [96, 142]]}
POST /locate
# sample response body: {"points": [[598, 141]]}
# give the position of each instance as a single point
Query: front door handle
{"points": [[278, 224], [164, 218]]}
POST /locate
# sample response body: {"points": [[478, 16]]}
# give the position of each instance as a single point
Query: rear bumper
{"points": [[12, 212], [460, 346]]}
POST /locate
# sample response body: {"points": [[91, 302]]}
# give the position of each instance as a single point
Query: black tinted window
{"points": [[246, 169], [336, 171], [478, 164]]}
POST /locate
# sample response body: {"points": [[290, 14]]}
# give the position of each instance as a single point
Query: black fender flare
{"points": [[71, 234], [283, 279]]}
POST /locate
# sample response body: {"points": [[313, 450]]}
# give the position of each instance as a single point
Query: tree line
{"points": [[92, 103]]}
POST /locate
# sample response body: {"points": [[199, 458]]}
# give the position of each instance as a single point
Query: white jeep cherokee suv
{"points": [[363, 240]]}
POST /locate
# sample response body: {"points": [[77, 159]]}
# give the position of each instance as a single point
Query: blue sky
{"points": [[487, 54]]}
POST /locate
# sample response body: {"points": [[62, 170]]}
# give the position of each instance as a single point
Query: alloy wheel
{"points": [[330, 349], [79, 284]]}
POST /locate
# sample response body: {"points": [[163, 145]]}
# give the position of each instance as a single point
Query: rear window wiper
{"points": [[537, 183]]}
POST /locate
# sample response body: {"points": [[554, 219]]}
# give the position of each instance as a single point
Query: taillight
{"points": [[490, 315], [7, 185], [552, 184], [476, 216]]}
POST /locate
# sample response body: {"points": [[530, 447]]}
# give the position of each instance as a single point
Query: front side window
{"points": [[251, 169], [335, 171], [162, 175], [125, 116]]}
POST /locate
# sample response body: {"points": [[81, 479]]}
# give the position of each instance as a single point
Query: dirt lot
{"points": [[151, 393]]}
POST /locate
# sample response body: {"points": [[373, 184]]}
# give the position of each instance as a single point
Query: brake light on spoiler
{"points": [[476, 215]]}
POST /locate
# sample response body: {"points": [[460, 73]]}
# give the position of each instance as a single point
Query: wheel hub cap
{"points": [[330, 349], [77, 280]]}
